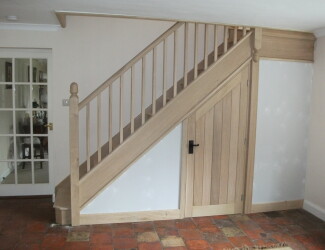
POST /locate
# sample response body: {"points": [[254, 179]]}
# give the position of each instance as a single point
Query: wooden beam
{"points": [[287, 45]]}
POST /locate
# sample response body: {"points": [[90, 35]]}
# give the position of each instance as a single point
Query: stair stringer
{"points": [[172, 114]]}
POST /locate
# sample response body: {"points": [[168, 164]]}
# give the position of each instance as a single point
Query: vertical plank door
{"points": [[217, 167]]}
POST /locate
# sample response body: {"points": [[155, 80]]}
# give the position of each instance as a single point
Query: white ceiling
{"points": [[307, 15]]}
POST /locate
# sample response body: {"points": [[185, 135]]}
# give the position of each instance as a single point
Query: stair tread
{"points": [[63, 196]]}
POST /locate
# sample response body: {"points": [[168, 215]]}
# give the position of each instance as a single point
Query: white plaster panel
{"points": [[151, 183], [282, 131]]}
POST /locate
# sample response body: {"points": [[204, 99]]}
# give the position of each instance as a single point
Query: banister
{"points": [[127, 66]]}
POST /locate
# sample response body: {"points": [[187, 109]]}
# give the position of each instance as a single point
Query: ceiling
{"points": [[283, 14]]}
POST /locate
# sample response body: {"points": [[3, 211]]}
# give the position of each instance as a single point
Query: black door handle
{"points": [[191, 145]]}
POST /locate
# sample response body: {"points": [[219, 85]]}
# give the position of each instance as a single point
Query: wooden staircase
{"points": [[194, 79]]}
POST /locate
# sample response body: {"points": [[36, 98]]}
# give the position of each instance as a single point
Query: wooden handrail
{"points": [[128, 65]]}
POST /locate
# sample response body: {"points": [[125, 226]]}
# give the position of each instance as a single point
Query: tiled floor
{"points": [[26, 224]]}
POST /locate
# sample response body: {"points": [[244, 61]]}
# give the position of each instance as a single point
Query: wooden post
{"points": [[257, 44], [74, 153]]}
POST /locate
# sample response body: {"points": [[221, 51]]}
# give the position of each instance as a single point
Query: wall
{"points": [[282, 131], [151, 183], [84, 52], [315, 183]]}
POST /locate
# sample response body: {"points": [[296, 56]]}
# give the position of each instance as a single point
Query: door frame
{"points": [[187, 172], [37, 188]]}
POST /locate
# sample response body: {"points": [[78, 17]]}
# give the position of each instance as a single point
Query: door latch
{"points": [[49, 126], [191, 146]]}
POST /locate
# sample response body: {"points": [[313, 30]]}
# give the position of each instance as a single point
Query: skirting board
{"points": [[314, 209], [276, 206], [88, 219]]}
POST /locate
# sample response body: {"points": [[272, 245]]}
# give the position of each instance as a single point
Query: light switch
{"points": [[65, 102]]}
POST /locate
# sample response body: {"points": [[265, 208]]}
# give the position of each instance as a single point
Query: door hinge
{"points": [[242, 197]]}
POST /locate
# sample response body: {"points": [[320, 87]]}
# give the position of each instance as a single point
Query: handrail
{"points": [[127, 66]]}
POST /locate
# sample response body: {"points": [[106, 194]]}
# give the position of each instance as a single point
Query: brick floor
{"points": [[28, 224]]}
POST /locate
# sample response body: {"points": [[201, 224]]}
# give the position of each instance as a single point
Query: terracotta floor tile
{"points": [[260, 218], [222, 246], [172, 241], [53, 241], [240, 241], [197, 244], [212, 229], [8, 242], [270, 227], [103, 228], [150, 246], [76, 245], [282, 237], [185, 224], [224, 223], [165, 223], [175, 248], [143, 226], [32, 237], [215, 237], [78, 236], [220, 217], [101, 247], [232, 231], [190, 234], [125, 243], [101, 238], [163, 232], [147, 237], [80, 229], [123, 232], [25, 246], [254, 234], [37, 227]]}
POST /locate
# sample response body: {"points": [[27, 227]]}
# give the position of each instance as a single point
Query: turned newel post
{"points": [[74, 152]]}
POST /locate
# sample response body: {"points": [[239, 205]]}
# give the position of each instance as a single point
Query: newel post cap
{"points": [[74, 88]]}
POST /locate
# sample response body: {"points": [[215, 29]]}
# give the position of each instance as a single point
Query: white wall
{"points": [[151, 183], [315, 183], [282, 131], [88, 51]]}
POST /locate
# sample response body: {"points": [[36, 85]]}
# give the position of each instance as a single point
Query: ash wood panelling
{"points": [[287, 45], [207, 157], [187, 100], [216, 157], [213, 210], [199, 161], [87, 219], [224, 172], [277, 206], [242, 141], [235, 100]]}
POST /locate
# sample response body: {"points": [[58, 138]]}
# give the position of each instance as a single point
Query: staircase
{"points": [[166, 81]]}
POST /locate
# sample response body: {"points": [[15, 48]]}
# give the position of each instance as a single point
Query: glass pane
{"points": [[22, 69], [39, 96], [8, 172], [5, 70], [6, 96], [39, 120], [22, 122], [39, 70], [6, 148], [6, 122], [23, 147], [24, 172], [22, 96], [40, 147], [41, 172]]}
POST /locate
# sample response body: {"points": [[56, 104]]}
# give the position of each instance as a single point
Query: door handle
{"points": [[191, 146], [49, 126]]}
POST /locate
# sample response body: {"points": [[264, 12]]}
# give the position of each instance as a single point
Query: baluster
{"points": [[121, 107], [154, 62], [74, 153], [225, 39], [196, 32], [235, 35], [175, 64], [185, 53], [165, 72], [110, 119], [132, 100], [206, 43], [215, 42], [88, 136], [99, 150], [143, 91]]}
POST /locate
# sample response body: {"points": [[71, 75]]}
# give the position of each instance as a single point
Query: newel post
{"points": [[74, 153], [257, 45]]}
